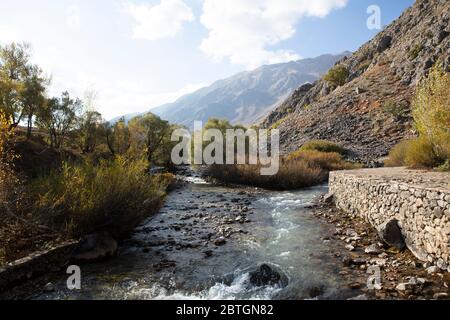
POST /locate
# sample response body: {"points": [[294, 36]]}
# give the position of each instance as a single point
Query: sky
{"points": [[140, 54]]}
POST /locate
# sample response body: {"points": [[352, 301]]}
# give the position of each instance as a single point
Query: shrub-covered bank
{"points": [[304, 168]]}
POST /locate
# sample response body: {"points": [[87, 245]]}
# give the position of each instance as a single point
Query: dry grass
{"points": [[300, 170]]}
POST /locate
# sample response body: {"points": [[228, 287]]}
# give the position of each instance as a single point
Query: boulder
{"points": [[266, 275], [391, 234], [95, 247]]}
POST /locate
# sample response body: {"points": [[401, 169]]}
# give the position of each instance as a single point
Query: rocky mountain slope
{"points": [[248, 96], [371, 112]]}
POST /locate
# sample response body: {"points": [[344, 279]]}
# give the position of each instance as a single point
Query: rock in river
{"points": [[267, 275]]}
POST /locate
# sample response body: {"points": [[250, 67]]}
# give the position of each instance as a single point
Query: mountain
{"points": [[371, 112], [248, 96]]}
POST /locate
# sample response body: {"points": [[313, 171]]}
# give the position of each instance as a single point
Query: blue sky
{"points": [[139, 54]]}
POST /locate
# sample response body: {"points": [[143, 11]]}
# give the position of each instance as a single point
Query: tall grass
{"points": [[113, 196]]}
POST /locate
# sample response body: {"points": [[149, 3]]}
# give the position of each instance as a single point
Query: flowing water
{"points": [[173, 255]]}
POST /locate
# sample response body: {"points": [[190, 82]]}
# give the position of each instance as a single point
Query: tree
{"points": [[22, 85], [33, 94], [337, 76], [59, 117], [89, 131], [13, 71], [118, 137], [150, 133], [431, 110]]}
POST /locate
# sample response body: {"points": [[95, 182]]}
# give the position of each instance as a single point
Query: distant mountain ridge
{"points": [[246, 97]]}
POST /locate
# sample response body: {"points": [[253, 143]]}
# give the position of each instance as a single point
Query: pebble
{"points": [[432, 269], [372, 249], [220, 241], [350, 247]]}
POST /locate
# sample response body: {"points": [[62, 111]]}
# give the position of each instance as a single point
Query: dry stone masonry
{"points": [[419, 200]]}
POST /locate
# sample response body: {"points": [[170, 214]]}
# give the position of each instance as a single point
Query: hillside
{"points": [[371, 112], [248, 96]]}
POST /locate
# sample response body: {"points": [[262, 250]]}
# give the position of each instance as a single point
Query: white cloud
{"points": [[73, 17], [244, 30], [160, 21]]}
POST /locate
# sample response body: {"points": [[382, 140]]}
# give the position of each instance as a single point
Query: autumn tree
{"points": [[118, 137], [90, 131], [150, 133], [59, 117], [22, 85], [431, 110]]}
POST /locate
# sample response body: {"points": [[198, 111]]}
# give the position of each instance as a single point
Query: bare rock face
{"points": [[383, 75], [391, 234], [95, 247]]}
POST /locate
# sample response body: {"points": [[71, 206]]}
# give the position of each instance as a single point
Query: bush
{"points": [[113, 196], [337, 76], [322, 146], [417, 153], [397, 156], [414, 51], [398, 111], [300, 170], [420, 154], [291, 175]]}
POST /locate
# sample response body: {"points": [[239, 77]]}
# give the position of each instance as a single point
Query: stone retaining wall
{"points": [[36, 264], [420, 201]]}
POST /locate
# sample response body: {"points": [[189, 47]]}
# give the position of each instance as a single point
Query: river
{"points": [[206, 241]]}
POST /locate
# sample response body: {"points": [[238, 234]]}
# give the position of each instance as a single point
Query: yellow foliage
{"points": [[431, 110]]}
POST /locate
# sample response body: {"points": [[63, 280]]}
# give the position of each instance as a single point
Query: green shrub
{"points": [[323, 146], [113, 196], [398, 111], [277, 124], [337, 76], [414, 51]]}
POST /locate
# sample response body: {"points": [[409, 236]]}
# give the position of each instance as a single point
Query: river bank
{"points": [[402, 275], [214, 242]]}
